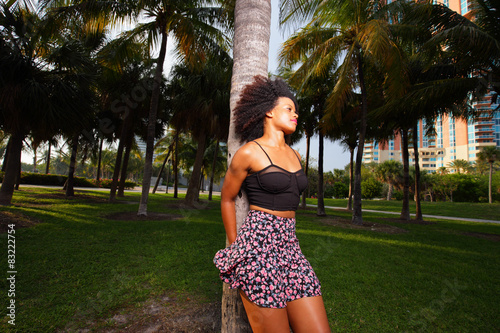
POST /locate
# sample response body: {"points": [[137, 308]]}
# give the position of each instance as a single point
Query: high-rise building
{"points": [[453, 138]]}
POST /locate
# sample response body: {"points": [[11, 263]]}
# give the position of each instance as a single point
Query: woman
{"points": [[277, 284]]}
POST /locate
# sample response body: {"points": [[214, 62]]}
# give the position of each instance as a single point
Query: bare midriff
{"points": [[281, 213]]}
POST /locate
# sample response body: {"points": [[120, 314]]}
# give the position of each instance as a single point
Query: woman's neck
{"points": [[275, 139]]}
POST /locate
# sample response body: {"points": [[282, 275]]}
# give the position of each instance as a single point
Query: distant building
{"points": [[453, 139], [141, 145]]}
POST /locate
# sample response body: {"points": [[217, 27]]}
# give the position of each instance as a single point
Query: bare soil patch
{"points": [[377, 227], [482, 235], [132, 216], [182, 206], [128, 202], [18, 219], [398, 220], [164, 314], [308, 208]]}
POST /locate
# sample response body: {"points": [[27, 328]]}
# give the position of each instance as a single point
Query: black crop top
{"points": [[275, 188]]}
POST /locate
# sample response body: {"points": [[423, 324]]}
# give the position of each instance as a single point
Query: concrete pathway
{"points": [[424, 215]]}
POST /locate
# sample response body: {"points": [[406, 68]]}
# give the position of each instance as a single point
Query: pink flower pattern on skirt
{"points": [[266, 262]]}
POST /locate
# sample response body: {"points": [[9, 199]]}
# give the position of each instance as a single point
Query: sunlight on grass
{"points": [[385, 242]]}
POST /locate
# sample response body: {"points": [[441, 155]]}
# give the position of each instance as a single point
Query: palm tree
{"points": [[120, 88], [314, 93], [163, 150], [476, 43], [459, 166], [309, 120], [217, 167], [39, 95], [442, 170], [437, 82], [489, 154], [200, 99], [189, 23], [350, 30], [252, 21], [391, 173], [308, 124], [481, 167], [53, 142], [345, 128]]}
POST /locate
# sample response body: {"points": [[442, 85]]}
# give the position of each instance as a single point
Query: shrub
{"points": [[340, 190], [106, 183], [371, 188], [460, 187], [53, 180], [398, 195]]}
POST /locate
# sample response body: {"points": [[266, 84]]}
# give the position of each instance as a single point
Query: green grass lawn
{"points": [[78, 266], [456, 209]]}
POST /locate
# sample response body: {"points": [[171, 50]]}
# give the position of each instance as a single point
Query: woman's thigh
{"points": [[265, 320], [308, 314]]}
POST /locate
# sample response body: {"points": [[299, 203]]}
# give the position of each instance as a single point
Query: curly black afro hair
{"points": [[256, 99]]}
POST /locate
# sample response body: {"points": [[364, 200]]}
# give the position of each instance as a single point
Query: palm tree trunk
{"points": [[201, 185], [305, 194], [167, 179], [389, 192], [175, 165], [12, 163], [490, 197], [357, 214], [212, 173], [405, 210], [70, 191], [351, 178], [321, 192], [153, 111], [252, 22], [162, 168], [47, 161], [18, 175], [99, 162], [5, 157], [116, 171], [193, 190], [34, 158], [123, 171], [120, 164], [418, 207]]}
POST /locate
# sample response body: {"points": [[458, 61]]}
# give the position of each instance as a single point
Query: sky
{"points": [[334, 155]]}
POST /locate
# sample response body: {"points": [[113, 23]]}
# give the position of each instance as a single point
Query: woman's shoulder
{"points": [[247, 151]]}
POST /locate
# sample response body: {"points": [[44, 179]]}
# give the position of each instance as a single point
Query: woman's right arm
{"points": [[235, 175]]}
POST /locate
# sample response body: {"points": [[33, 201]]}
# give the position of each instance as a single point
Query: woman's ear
{"points": [[269, 114]]}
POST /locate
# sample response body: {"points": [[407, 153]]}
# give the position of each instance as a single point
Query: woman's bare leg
{"points": [[265, 320], [308, 315]]}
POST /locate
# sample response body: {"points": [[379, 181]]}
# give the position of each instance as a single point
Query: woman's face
{"points": [[284, 115]]}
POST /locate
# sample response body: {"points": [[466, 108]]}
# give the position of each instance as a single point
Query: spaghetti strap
{"points": [[296, 155], [264, 152]]}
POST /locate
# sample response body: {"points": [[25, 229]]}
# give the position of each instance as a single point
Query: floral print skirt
{"points": [[265, 261]]}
